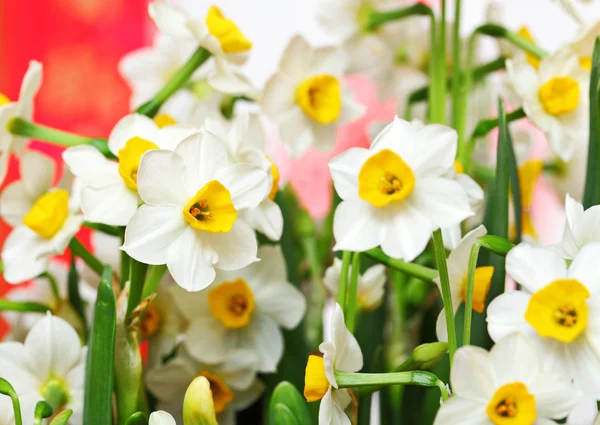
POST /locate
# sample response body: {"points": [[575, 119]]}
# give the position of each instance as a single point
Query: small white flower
{"points": [[554, 98], [581, 227], [505, 385], [109, 188], [396, 193], [557, 309], [233, 383], [371, 283], [342, 353], [45, 219], [160, 417], [308, 98], [190, 218], [51, 359], [22, 108], [458, 268], [243, 309], [217, 34]]}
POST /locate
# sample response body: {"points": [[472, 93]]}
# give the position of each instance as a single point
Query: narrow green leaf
{"points": [[513, 169], [137, 418], [42, 411], [8, 390], [287, 406], [62, 418], [23, 306], [591, 195], [82, 252], [100, 358], [75, 297]]}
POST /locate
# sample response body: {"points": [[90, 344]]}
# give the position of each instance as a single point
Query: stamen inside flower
{"points": [[56, 392], [512, 404], [560, 95], [227, 32], [130, 157], [221, 393], [164, 120], [49, 213], [531, 59], [483, 280], [4, 99], [211, 209], [316, 383], [320, 97], [232, 303], [275, 176], [151, 323], [559, 310], [384, 178]]}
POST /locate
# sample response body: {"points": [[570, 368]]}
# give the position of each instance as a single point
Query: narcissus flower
{"points": [[458, 267], [243, 309], [396, 193], [371, 283], [581, 227], [190, 218], [557, 309], [341, 352], [217, 34], [554, 98], [508, 385], [22, 108], [109, 189], [308, 98]]}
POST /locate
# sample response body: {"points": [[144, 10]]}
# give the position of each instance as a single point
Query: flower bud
{"points": [[198, 405], [424, 357]]}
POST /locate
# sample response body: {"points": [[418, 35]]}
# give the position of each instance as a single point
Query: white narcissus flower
{"points": [[217, 34], [190, 219], [246, 145], [307, 97], [342, 353], [45, 219], [109, 188], [558, 309], [51, 360], [581, 227], [160, 417], [554, 98], [22, 108], [396, 193], [458, 268], [371, 284], [233, 383], [243, 309], [506, 385]]}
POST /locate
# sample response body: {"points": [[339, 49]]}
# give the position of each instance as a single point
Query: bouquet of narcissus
{"points": [[439, 289]]}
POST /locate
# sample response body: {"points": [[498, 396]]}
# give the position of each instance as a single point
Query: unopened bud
{"points": [[198, 405], [424, 357]]}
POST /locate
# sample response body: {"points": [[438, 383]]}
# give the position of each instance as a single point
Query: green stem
{"points": [[351, 305], [23, 306], [440, 257], [104, 228], [152, 107], [498, 31], [314, 320], [21, 127], [343, 290], [137, 275], [125, 264], [456, 67], [376, 18], [53, 285], [81, 251], [416, 270], [153, 279]]}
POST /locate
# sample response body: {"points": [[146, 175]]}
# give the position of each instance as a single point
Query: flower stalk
{"points": [[82, 252], [351, 304], [21, 127], [412, 269]]}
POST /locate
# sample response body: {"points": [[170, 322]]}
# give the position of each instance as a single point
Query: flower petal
{"points": [[169, 381], [266, 218], [264, 337], [22, 255], [535, 267], [205, 329], [247, 184], [89, 164], [586, 365], [472, 374], [461, 411], [161, 417], [15, 203], [555, 395], [235, 249], [514, 360], [584, 267], [160, 179], [191, 260], [37, 173], [331, 412], [506, 314], [114, 205], [357, 226], [344, 171], [17, 368], [282, 302], [203, 155], [406, 232], [441, 200]]}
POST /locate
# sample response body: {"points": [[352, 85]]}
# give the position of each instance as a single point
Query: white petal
{"points": [[271, 267], [17, 368], [29, 87], [281, 301], [523, 76], [88, 163], [151, 231], [574, 213], [247, 184], [4, 156], [400, 137], [277, 96], [37, 173], [169, 19], [442, 200], [406, 232], [344, 171], [239, 369], [534, 267], [586, 365], [169, 381], [514, 359], [460, 411], [296, 57], [160, 179], [348, 357], [191, 260], [235, 249], [264, 337], [506, 314], [266, 218], [61, 239], [203, 155], [114, 205], [330, 412], [435, 150], [161, 418], [228, 79], [295, 131], [206, 329], [15, 203], [584, 267], [357, 225], [555, 395], [472, 374], [459, 257], [22, 255], [130, 126]]}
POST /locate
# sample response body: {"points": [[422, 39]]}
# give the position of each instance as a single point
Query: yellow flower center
{"points": [[221, 393], [227, 32], [275, 184], [130, 157], [559, 310], [56, 392], [164, 120], [483, 279], [316, 383], [232, 303], [512, 404], [458, 167], [531, 59], [151, 322], [211, 209], [49, 213], [586, 62], [384, 178], [320, 97], [560, 95], [4, 99]]}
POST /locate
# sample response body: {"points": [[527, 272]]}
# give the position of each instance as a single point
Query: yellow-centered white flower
{"points": [[217, 34], [243, 309], [458, 267], [51, 361], [21, 108], [190, 220], [371, 284], [506, 386], [558, 309], [581, 227], [307, 97], [343, 353], [397, 192], [45, 219], [109, 188], [554, 97]]}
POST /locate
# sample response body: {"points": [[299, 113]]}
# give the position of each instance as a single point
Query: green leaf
{"points": [[23, 306], [591, 195], [42, 411], [513, 170], [100, 358], [74, 296], [62, 418], [288, 407], [7, 389], [137, 418]]}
